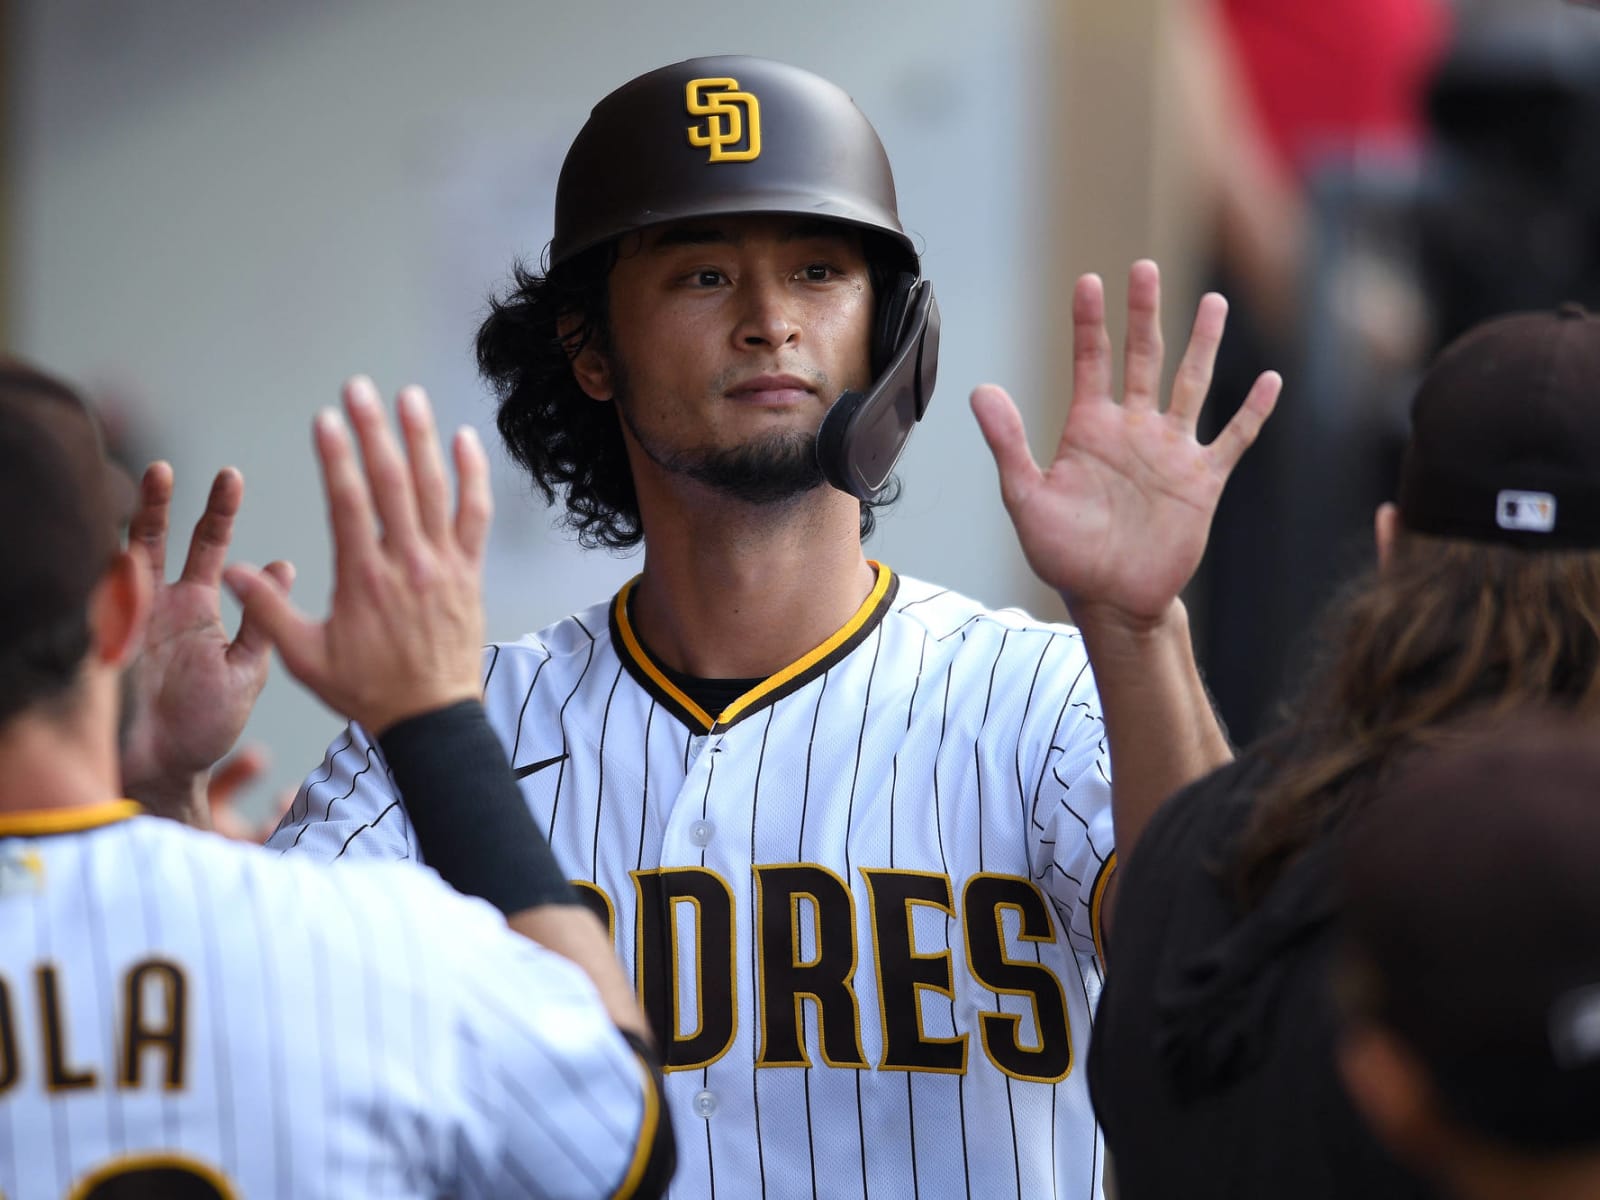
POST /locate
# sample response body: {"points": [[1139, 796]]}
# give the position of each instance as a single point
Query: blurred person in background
{"points": [[1212, 1065], [1280, 101], [1469, 979]]}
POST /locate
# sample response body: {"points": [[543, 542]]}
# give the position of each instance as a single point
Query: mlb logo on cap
{"points": [[1534, 512]]}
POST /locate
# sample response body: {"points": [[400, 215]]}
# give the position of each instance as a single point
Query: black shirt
{"points": [[1211, 1066]]}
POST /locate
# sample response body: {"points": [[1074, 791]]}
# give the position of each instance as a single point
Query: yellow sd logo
{"points": [[731, 117]]}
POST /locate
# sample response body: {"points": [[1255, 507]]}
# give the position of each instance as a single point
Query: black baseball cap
{"points": [[65, 501], [1472, 911], [1505, 435]]}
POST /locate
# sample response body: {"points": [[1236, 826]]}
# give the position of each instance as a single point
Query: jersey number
{"points": [[153, 1177]]}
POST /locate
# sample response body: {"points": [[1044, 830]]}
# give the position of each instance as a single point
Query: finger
{"points": [[300, 641], [208, 548], [280, 809], [1002, 428], [474, 504], [427, 464], [252, 640], [149, 524], [235, 773], [1142, 349], [1193, 380], [1091, 345], [388, 477], [350, 515], [1239, 433]]}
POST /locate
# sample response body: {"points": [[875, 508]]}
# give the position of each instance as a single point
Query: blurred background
{"points": [[215, 212]]}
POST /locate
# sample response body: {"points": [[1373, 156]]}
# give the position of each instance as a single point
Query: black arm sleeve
{"points": [[471, 820]]}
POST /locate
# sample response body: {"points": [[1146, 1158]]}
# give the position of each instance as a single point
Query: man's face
{"points": [[730, 338]]}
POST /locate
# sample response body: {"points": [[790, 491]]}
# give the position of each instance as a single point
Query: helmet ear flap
{"points": [[889, 325]]}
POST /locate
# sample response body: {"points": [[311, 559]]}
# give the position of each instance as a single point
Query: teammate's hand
{"points": [[193, 688], [405, 634], [1118, 522], [225, 789]]}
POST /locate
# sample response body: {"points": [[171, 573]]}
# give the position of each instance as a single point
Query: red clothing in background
{"points": [[1324, 74]]}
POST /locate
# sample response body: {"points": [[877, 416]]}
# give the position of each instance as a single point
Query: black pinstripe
{"points": [[327, 814], [372, 824], [910, 604], [516, 737], [151, 912], [561, 723], [218, 1009], [600, 779], [861, 741], [894, 783], [705, 1073], [59, 1136], [321, 997], [755, 960], [579, 1084], [8, 1153], [372, 1004], [349, 741], [276, 1058], [102, 970], [422, 1031], [850, 809], [811, 1145], [805, 795], [644, 787]]}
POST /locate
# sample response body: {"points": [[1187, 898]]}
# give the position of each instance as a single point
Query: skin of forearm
{"points": [[1161, 729], [576, 934]]}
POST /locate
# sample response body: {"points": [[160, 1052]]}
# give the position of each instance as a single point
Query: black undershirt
{"points": [[713, 695]]}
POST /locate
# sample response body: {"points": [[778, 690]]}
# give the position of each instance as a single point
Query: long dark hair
{"points": [[565, 440], [1449, 629]]}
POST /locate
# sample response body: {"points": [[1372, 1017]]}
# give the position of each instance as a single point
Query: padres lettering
{"points": [[152, 1030], [731, 130], [808, 952]]}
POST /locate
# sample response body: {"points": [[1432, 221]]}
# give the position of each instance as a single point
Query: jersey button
{"points": [[700, 833], [705, 1103]]}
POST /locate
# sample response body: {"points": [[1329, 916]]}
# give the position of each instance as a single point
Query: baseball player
{"points": [[853, 833], [1213, 1068], [145, 966]]}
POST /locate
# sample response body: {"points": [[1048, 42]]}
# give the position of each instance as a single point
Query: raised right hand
{"points": [[405, 631]]}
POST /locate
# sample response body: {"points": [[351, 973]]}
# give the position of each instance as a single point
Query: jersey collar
{"points": [[791, 678], [38, 822]]}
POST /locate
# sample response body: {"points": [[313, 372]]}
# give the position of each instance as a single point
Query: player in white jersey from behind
{"points": [[145, 966], [853, 833]]}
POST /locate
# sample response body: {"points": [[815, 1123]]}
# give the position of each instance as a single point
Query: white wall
{"points": [[222, 209]]}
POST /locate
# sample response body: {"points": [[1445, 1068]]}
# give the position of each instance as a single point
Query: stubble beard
{"points": [[776, 469]]}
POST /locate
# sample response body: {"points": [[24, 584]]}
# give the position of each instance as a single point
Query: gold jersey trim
{"points": [[40, 821], [771, 689], [644, 1145], [1097, 897]]}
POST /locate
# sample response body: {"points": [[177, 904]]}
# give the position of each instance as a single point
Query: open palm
{"points": [[194, 687], [1117, 522]]}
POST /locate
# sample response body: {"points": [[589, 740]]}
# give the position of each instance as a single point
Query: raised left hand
{"points": [[193, 686], [1118, 521]]}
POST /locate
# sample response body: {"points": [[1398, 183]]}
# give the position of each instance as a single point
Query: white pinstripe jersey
{"points": [[186, 1017], [886, 860]]}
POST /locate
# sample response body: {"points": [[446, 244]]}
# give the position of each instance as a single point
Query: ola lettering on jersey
{"points": [[152, 1025]]}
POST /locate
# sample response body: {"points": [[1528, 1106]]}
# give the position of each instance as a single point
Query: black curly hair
{"points": [[550, 426]]}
